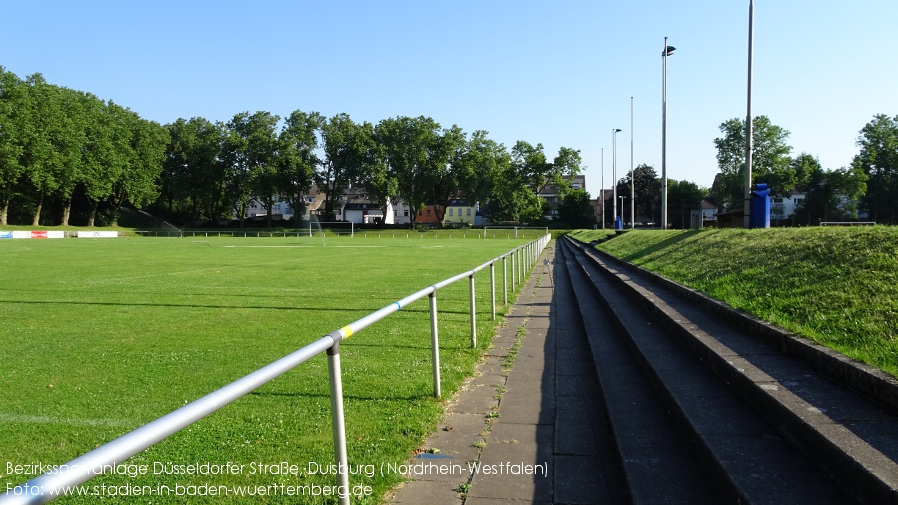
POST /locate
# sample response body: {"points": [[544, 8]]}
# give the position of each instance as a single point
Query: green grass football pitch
{"points": [[102, 336]]}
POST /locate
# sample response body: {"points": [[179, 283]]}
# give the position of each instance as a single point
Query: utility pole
{"points": [[746, 221], [632, 179]]}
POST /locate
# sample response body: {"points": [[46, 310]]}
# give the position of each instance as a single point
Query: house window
{"points": [[469, 212], [450, 212], [428, 212], [405, 212]]}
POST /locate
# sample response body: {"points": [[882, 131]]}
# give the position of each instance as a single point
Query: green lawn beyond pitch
{"points": [[101, 336]]}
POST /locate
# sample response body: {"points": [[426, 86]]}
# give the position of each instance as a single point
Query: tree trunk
{"points": [[383, 210], [66, 212], [37, 213], [5, 198], [118, 207], [93, 214], [299, 211]]}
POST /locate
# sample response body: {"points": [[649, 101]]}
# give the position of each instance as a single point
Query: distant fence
{"points": [[50, 485], [503, 233], [39, 234], [514, 231], [848, 223]]}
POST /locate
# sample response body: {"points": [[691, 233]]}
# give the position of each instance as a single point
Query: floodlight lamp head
{"points": [[668, 51], [617, 130]]}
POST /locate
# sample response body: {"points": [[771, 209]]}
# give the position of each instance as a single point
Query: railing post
{"points": [[527, 258], [338, 422], [493, 287], [435, 344], [504, 281], [514, 272], [473, 314]]}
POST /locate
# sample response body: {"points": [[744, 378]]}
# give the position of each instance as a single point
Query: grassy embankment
{"points": [[836, 286], [101, 336]]}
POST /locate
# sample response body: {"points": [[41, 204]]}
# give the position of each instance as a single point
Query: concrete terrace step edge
{"points": [[877, 385], [866, 472], [730, 492]]}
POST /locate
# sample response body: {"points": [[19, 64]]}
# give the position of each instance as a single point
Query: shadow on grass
{"points": [[373, 397], [423, 347], [679, 237], [188, 305], [366, 310]]}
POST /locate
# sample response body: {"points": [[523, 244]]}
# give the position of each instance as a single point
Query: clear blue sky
{"points": [[557, 73]]}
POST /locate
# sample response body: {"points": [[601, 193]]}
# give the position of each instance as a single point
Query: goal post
{"points": [[518, 232], [346, 228]]}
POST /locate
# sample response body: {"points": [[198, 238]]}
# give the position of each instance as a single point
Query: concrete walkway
{"points": [[529, 420]]}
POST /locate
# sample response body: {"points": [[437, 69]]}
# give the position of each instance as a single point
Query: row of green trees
{"points": [[682, 198], [55, 141], [212, 168], [869, 185], [58, 145]]}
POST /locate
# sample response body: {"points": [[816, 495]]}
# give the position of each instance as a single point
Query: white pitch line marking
{"points": [[21, 418]]}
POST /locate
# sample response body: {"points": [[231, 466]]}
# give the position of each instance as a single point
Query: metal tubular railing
{"points": [[50, 485]]}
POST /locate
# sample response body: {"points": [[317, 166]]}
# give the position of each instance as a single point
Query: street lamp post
{"points": [[602, 189], [614, 173], [622, 197], [746, 221], [668, 50], [632, 179]]}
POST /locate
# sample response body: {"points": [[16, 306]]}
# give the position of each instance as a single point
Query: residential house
{"points": [[782, 208], [459, 212], [353, 206], [282, 209], [709, 209], [256, 209], [428, 215], [364, 211], [401, 212], [549, 193], [602, 208]]}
